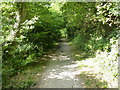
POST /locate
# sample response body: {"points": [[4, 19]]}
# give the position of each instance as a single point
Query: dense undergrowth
{"points": [[100, 70], [94, 31], [29, 31], [30, 76]]}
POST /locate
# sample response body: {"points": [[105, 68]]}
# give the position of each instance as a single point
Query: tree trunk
{"points": [[20, 18]]}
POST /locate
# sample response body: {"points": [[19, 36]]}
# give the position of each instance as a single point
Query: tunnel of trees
{"points": [[31, 29]]}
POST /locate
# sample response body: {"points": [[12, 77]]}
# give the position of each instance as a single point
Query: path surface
{"points": [[62, 70]]}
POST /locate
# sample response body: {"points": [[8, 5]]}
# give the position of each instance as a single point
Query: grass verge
{"points": [[99, 70], [29, 77]]}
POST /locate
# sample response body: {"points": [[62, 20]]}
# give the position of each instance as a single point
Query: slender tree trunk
{"points": [[20, 18]]}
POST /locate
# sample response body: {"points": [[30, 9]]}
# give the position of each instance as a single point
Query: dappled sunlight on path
{"points": [[67, 72], [62, 70]]}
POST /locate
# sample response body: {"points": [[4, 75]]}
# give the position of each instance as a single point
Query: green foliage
{"points": [[30, 29], [93, 20], [79, 41], [63, 32], [91, 26], [102, 69]]}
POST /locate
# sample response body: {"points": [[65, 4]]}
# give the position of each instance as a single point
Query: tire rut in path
{"points": [[62, 70]]}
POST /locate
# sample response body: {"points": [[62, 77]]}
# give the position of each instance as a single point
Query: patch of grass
{"points": [[70, 43], [88, 68], [80, 55], [90, 81], [82, 66], [21, 84], [29, 76], [101, 64]]}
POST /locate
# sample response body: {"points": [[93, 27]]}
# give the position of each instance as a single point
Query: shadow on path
{"points": [[62, 70]]}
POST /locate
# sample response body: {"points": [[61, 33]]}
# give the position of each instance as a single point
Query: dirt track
{"points": [[62, 70]]}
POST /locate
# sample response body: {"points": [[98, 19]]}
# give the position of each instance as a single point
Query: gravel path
{"points": [[62, 70]]}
